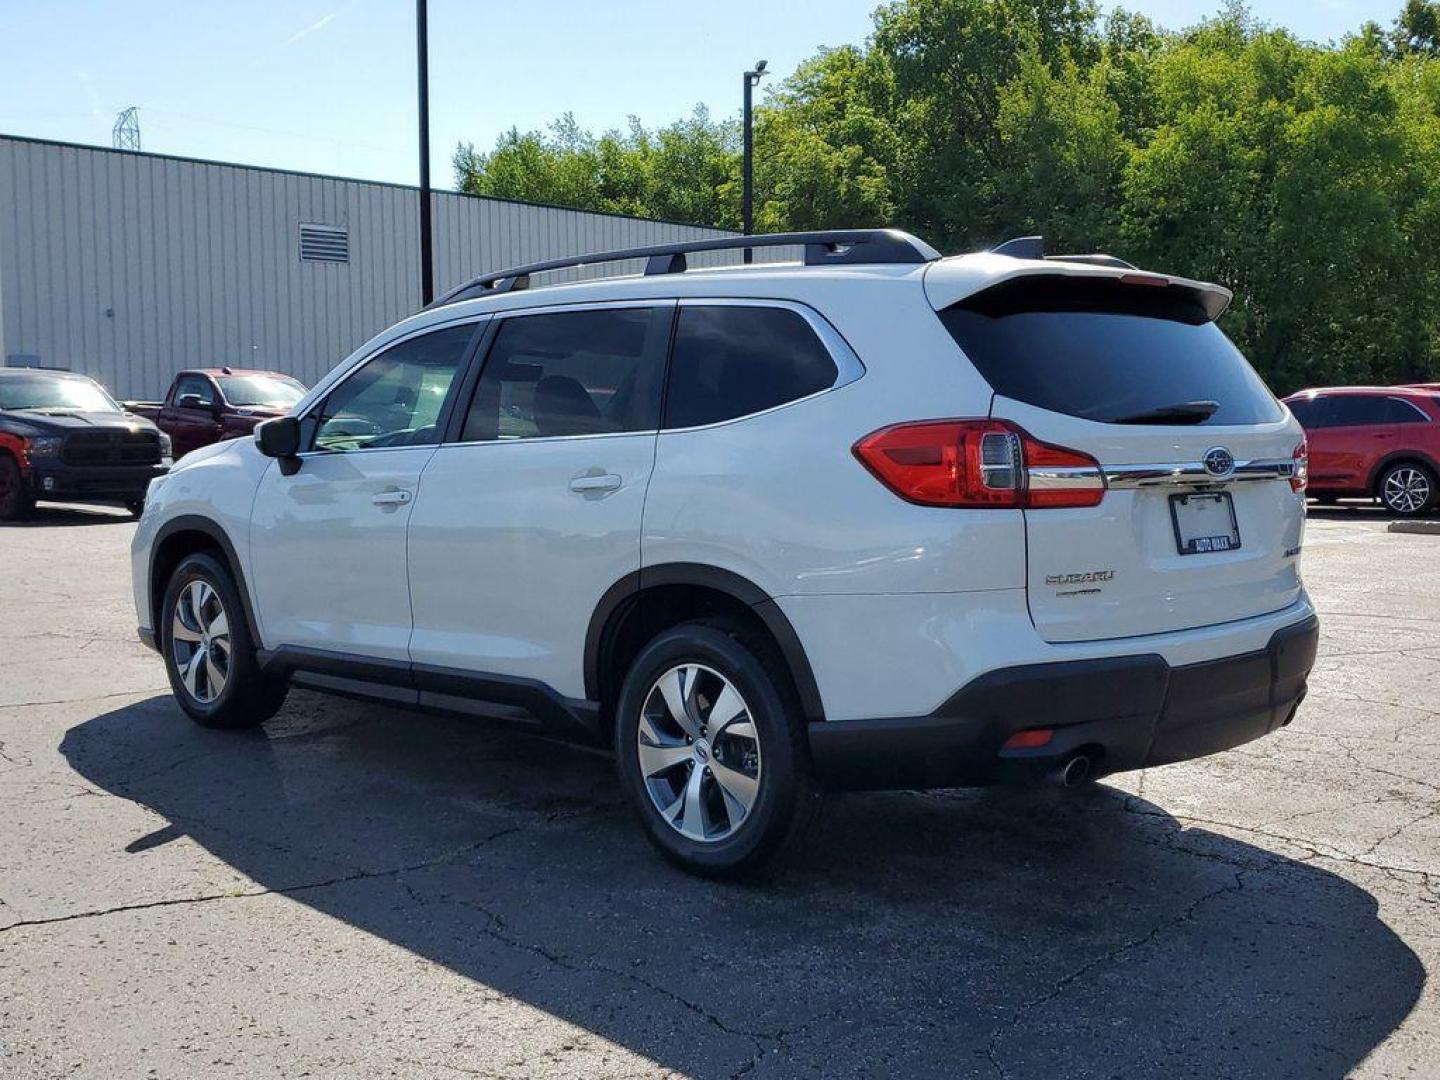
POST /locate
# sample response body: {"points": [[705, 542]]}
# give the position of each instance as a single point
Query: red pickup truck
{"points": [[206, 405]]}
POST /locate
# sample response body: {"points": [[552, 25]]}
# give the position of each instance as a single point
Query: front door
{"points": [[328, 541], [522, 524]]}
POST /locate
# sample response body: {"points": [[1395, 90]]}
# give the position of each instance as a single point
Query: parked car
{"points": [[880, 520], [1378, 442], [63, 438], [206, 405]]}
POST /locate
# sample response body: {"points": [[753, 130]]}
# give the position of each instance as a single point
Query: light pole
{"points": [[422, 45], [747, 198]]}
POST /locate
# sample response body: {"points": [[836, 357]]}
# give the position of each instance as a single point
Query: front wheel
{"points": [[1408, 489], [15, 502], [208, 652], [710, 746]]}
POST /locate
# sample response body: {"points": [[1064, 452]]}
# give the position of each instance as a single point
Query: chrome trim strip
{"points": [[1194, 473], [1064, 477]]}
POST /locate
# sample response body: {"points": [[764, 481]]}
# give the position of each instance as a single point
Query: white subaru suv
{"points": [[875, 519]]}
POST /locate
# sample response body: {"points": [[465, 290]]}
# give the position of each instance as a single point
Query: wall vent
{"points": [[324, 243]]}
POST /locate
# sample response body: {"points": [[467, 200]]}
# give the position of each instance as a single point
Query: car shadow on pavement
{"points": [[994, 933], [43, 516]]}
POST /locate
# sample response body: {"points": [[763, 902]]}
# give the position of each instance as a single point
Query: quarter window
{"points": [[571, 373], [731, 360], [396, 398], [1400, 411]]}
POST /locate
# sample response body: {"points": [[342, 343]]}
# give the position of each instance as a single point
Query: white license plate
{"points": [[1204, 523]]}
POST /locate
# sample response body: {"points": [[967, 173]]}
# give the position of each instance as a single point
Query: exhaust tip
{"points": [[1074, 773]]}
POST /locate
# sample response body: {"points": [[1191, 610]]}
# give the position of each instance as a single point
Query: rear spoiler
{"points": [[950, 281]]}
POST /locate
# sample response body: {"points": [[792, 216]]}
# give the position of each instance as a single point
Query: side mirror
{"points": [[192, 401], [280, 438]]}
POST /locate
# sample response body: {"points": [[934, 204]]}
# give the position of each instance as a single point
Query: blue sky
{"points": [[329, 85]]}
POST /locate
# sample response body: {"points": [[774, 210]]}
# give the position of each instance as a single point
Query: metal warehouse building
{"points": [[129, 266]]}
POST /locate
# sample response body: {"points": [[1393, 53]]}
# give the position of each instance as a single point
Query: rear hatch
{"points": [[1199, 523]]}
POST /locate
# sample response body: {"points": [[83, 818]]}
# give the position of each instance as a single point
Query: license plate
{"points": [[1204, 523]]}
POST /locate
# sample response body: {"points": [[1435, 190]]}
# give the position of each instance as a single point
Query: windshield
{"points": [[1102, 351], [54, 392], [279, 391]]}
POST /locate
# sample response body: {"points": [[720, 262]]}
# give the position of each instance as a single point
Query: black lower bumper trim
{"points": [[147, 637], [1126, 712]]}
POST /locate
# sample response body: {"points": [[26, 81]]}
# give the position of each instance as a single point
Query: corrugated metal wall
{"points": [[130, 266]]}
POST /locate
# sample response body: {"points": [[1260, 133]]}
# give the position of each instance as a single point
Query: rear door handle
{"points": [[585, 484], [393, 497]]}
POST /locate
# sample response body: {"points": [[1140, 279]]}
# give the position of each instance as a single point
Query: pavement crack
{"points": [[88, 697], [1026, 1012]]}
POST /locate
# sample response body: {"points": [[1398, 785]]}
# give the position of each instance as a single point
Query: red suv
{"points": [[1380, 441]]}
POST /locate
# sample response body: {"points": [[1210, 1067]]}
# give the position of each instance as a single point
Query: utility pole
{"points": [[747, 199], [427, 262]]}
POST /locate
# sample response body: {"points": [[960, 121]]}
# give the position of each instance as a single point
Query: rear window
{"points": [[1107, 351]]}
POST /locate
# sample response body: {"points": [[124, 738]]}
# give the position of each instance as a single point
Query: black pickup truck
{"points": [[63, 438]]}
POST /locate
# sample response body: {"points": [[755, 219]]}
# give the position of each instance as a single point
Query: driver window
{"points": [[395, 399]]}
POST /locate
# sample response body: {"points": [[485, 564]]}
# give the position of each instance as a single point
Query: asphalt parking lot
{"points": [[357, 891]]}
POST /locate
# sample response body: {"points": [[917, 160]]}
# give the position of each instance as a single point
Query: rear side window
{"points": [[730, 361], [1357, 410], [571, 373], [1107, 351]]}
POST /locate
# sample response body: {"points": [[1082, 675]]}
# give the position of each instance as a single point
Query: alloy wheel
{"points": [[200, 641], [1406, 490], [699, 753]]}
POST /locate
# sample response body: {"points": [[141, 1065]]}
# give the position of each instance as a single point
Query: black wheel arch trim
{"points": [[1395, 457], [213, 530], [710, 577]]}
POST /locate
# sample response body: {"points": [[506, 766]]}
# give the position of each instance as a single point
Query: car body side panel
{"points": [[780, 499], [216, 482]]}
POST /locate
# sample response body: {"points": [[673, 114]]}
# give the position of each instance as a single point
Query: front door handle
{"points": [[584, 485], [392, 497]]}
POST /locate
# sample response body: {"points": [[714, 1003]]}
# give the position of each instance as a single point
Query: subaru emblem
{"points": [[1219, 461]]}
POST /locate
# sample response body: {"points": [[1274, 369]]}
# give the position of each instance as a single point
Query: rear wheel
{"points": [[710, 748], [1407, 488], [208, 652], [15, 502]]}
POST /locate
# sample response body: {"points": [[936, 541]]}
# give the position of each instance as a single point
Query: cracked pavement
{"points": [[362, 892]]}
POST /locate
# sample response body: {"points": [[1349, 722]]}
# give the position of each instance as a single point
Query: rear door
{"points": [[526, 519], [1199, 523], [1359, 431]]}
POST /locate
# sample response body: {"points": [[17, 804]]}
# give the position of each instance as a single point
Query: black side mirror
{"points": [[280, 438], [192, 401]]}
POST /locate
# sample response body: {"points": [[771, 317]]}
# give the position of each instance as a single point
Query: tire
{"points": [[703, 825], [136, 507], [1407, 489], [15, 502], [224, 688]]}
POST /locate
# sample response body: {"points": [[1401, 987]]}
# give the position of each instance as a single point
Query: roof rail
{"points": [[835, 247], [1033, 247]]}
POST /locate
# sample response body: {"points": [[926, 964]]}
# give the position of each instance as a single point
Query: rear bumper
{"points": [[1131, 712], [82, 483]]}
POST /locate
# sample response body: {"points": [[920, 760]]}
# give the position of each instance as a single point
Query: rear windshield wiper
{"points": [[1184, 412]]}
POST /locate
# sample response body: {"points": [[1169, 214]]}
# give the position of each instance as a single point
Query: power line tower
{"points": [[125, 135]]}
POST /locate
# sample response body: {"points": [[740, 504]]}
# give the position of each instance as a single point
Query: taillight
{"points": [[1301, 474], [977, 464]]}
